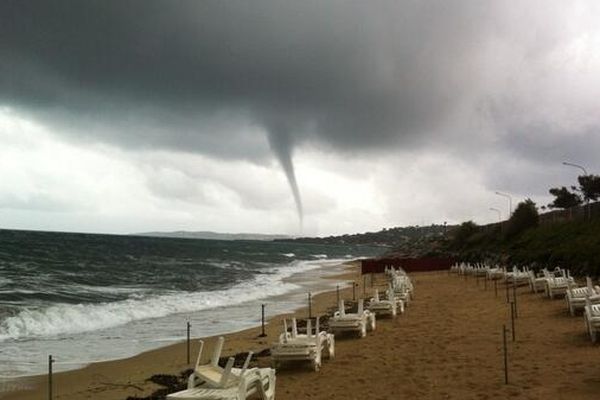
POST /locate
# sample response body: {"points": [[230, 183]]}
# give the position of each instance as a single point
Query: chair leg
{"points": [[363, 330]]}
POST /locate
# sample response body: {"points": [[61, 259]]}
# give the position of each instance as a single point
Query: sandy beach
{"points": [[448, 345]]}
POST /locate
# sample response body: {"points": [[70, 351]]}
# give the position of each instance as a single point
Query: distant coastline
{"points": [[213, 235]]}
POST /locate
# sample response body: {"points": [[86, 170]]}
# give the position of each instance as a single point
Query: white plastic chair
{"points": [[210, 381], [293, 346], [352, 322]]}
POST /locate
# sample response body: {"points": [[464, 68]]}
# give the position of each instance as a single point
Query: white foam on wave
{"points": [[288, 254], [62, 319], [5, 281], [110, 289]]}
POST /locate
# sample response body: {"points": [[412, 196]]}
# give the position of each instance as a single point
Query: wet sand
{"points": [[448, 345]]}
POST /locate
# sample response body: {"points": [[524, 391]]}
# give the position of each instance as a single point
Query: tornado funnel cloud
{"points": [[281, 145]]}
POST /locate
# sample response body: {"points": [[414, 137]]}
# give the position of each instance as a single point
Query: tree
{"points": [[525, 216], [563, 198], [464, 231], [589, 185]]}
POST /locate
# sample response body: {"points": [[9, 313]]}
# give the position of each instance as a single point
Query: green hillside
{"points": [[574, 245], [405, 240]]}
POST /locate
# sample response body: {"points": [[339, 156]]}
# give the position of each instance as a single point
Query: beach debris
{"points": [[240, 358], [323, 323], [170, 383], [122, 385]]}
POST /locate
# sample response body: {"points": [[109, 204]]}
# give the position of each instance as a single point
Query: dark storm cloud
{"points": [[233, 78], [352, 74]]}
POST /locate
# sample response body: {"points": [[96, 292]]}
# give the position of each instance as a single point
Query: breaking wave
{"points": [[64, 319]]}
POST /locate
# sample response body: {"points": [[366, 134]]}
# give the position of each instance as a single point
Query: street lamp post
{"points": [[509, 197], [499, 218], [576, 166], [587, 201], [499, 213]]}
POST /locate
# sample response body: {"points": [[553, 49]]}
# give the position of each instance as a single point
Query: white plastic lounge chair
{"points": [[592, 319], [537, 283], [558, 284], [256, 382], [210, 381], [384, 307], [352, 322], [480, 270], [495, 273], [455, 268], [467, 269], [402, 285], [302, 347], [402, 291], [517, 277], [576, 296]]}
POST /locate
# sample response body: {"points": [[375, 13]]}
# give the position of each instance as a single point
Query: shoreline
{"points": [[97, 379], [447, 345]]}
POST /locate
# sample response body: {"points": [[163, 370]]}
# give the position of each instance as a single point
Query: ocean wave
{"points": [[290, 255], [5, 281], [109, 289], [62, 319]]}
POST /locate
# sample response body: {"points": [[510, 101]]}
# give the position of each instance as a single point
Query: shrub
{"points": [[463, 233], [525, 216], [563, 198]]}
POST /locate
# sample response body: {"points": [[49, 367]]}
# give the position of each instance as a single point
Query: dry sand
{"points": [[448, 345]]}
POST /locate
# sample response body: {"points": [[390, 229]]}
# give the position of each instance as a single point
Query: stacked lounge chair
{"points": [[293, 346], [402, 286], [387, 306], [357, 322], [576, 296], [592, 319], [557, 283], [537, 283], [210, 381], [517, 277]]}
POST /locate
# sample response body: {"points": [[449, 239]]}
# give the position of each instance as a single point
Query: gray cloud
{"points": [[240, 79], [346, 72]]}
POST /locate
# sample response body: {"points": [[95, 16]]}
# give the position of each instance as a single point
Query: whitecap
{"points": [[63, 319]]}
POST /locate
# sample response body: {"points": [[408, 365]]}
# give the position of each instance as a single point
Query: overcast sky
{"points": [[248, 116]]}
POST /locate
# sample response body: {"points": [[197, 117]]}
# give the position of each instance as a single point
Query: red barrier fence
{"points": [[377, 265]]}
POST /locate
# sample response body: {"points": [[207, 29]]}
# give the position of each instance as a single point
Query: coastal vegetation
{"points": [[568, 238], [407, 241], [574, 244]]}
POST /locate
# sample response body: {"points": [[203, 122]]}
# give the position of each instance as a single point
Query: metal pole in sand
{"points": [[515, 299], [309, 305], [353, 291], [505, 355], [188, 341], [50, 362], [364, 284], [262, 318], [338, 294], [507, 291], [512, 320]]}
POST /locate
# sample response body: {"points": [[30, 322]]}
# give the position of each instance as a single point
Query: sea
{"points": [[84, 298]]}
